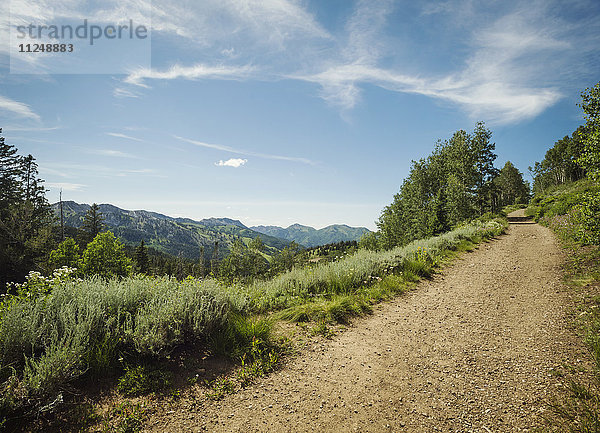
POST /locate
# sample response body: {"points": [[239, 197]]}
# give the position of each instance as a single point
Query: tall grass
{"points": [[62, 329], [346, 275]]}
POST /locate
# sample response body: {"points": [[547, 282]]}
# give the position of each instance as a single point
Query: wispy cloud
{"points": [[16, 108], [245, 152], [209, 22], [30, 129], [74, 170], [194, 72], [112, 152], [233, 162], [119, 135], [60, 173], [66, 186], [122, 92], [505, 78]]}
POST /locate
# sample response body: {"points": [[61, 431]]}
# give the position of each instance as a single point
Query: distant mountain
{"points": [[311, 237], [171, 235]]}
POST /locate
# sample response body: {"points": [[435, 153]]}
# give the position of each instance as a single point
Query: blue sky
{"points": [[285, 111]]}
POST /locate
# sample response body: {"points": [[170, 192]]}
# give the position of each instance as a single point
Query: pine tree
{"points": [[93, 223], [201, 269], [484, 157], [25, 216], [141, 258], [10, 169], [214, 261]]}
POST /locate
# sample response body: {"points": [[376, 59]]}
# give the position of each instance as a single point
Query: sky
{"points": [[277, 112]]}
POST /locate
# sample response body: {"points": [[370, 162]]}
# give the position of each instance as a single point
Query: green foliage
{"points": [[572, 210], [142, 379], [560, 164], [84, 326], [590, 156], [588, 215], [323, 330], [142, 264], [25, 216], [104, 256], [257, 361], [451, 186], [243, 263], [125, 417], [285, 259], [220, 387], [348, 274], [93, 224], [512, 189], [369, 241], [67, 254]]}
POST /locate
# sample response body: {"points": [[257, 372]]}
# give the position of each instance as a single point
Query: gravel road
{"points": [[471, 350]]}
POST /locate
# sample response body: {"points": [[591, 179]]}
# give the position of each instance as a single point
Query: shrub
{"points": [[588, 212], [104, 256], [86, 325]]}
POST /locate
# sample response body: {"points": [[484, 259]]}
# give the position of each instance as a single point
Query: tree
{"points": [[512, 189], [590, 157], [93, 223], [369, 241], [452, 185], [141, 258], [485, 172], [25, 216], [67, 254], [10, 170], [561, 162], [104, 256], [285, 259]]}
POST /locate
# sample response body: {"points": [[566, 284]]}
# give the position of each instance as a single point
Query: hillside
{"points": [[171, 235], [311, 237]]}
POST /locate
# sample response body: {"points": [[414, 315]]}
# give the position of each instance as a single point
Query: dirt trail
{"points": [[469, 351]]}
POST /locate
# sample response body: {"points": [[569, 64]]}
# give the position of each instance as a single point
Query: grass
{"points": [[56, 330], [578, 410], [350, 274]]}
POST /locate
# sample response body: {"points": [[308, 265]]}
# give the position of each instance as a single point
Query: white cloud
{"points": [[208, 23], [233, 162], [508, 75], [194, 72], [19, 109], [119, 135]]}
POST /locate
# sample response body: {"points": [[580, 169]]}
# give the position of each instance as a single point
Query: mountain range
{"points": [[189, 237], [311, 237]]}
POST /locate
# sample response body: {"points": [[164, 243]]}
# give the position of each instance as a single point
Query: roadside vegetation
{"points": [[567, 199], [89, 309]]}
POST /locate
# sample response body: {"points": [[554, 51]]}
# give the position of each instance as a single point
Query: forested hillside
{"points": [[311, 237], [169, 235]]}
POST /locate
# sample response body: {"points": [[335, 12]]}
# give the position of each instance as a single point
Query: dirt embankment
{"points": [[470, 351]]}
